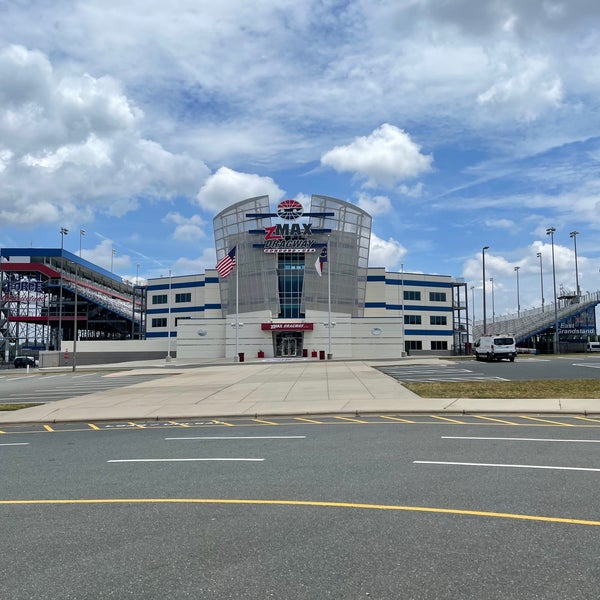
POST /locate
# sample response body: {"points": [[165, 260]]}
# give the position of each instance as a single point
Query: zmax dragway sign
{"points": [[289, 237]]}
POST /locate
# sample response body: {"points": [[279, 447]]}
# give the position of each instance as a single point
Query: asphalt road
{"points": [[397, 510], [523, 369]]}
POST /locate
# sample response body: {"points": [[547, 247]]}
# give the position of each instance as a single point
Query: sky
{"points": [[457, 124]]}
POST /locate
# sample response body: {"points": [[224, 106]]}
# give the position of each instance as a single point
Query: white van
{"points": [[496, 347], [593, 347]]}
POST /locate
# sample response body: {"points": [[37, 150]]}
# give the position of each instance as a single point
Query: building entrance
{"points": [[288, 343]]}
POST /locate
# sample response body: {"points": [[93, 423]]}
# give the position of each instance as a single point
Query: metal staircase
{"points": [[536, 320]]}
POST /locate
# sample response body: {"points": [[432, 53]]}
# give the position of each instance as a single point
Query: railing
{"points": [[535, 320]]}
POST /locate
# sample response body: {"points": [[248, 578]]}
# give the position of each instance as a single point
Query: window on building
{"points": [[290, 276], [159, 299], [414, 344], [183, 297], [439, 345], [408, 295], [159, 322], [437, 296], [438, 320], [412, 319]]}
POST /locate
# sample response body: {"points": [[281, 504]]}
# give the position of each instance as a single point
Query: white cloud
{"points": [[76, 142], [186, 228], [374, 205], [102, 255], [185, 266], [500, 223], [384, 157], [524, 91], [385, 253], [226, 187]]}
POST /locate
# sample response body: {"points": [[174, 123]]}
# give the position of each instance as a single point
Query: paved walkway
{"points": [[269, 388]]}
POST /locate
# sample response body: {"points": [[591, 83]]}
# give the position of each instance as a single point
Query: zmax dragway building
{"points": [[276, 303]]}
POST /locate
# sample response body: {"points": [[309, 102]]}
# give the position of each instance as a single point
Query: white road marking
{"points": [[144, 460], [511, 439], [507, 466], [16, 444], [240, 437]]}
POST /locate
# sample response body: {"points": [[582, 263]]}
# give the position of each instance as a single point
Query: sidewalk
{"points": [[268, 388]]}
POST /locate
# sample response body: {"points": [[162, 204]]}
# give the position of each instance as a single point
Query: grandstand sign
{"points": [[22, 288]]}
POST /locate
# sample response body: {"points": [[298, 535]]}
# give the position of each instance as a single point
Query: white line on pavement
{"points": [[511, 439], [138, 460], [240, 437], [16, 444], [466, 464]]}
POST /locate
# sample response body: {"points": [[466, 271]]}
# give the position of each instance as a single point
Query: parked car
{"points": [[495, 347], [24, 361]]}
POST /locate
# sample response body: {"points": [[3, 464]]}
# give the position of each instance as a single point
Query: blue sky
{"points": [[457, 124]]}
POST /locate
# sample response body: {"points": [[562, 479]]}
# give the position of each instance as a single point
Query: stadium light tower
{"points": [[63, 231], [483, 269], [539, 255], [550, 231], [574, 235], [518, 294]]}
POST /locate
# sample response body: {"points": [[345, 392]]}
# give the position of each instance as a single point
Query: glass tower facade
{"points": [[286, 283]]}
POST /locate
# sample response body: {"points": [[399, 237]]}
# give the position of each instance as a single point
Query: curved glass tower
{"points": [[276, 252]]}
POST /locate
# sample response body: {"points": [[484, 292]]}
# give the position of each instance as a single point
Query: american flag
{"points": [[226, 264], [320, 260]]}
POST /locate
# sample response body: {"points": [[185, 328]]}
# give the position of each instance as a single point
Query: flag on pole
{"points": [[226, 265], [320, 260]]}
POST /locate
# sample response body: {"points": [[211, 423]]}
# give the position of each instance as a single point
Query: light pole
{"points": [[574, 235], [518, 295], [168, 359], [81, 234], [493, 306], [112, 259], [539, 255], [550, 231], [63, 231], [483, 269]]}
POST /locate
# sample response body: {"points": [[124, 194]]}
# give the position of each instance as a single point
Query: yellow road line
{"points": [[588, 419], [92, 426], [351, 420], [1, 432], [134, 424], [396, 419], [447, 419], [308, 503], [308, 420], [48, 428], [265, 422], [546, 421], [495, 420], [226, 424]]}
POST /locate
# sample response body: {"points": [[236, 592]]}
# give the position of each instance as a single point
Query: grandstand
{"points": [[51, 295]]}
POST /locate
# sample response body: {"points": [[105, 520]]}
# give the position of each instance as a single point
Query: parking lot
{"points": [[527, 368]]}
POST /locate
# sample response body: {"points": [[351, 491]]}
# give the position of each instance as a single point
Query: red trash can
{"points": [[321, 354], [304, 353], [241, 356]]}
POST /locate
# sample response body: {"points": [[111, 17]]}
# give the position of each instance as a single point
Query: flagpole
{"points": [[329, 297], [237, 308]]}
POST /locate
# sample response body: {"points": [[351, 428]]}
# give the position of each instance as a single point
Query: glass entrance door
{"points": [[288, 343]]}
